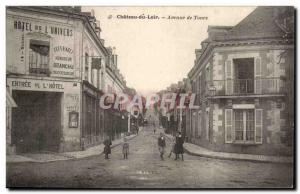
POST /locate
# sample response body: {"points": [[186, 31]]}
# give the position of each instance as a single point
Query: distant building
{"points": [[243, 77], [174, 119]]}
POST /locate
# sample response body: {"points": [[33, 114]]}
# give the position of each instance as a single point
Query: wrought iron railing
{"points": [[39, 71], [245, 86]]}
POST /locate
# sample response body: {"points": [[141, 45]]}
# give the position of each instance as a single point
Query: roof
{"points": [[263, 22]]}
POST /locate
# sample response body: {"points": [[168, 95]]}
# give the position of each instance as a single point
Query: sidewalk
{"points": [[50, 157], [196, 150]]}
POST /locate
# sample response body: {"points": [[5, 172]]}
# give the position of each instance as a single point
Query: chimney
{"points": [[97, 28], [102, 41], [77, 9], [115, 60], [198, 53], [215, 32]]}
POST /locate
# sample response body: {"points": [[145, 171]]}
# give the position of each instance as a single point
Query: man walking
{"points": [[161, 145], [179, 146]]}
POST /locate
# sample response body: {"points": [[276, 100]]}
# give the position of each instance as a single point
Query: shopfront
{"points": [[46, 118], [92, 120]]}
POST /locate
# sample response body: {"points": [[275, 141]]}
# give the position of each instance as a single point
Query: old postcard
{"points": [[150, 97]]}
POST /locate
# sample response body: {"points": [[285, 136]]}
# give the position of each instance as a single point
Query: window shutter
{"points": [[257, 70], [258, 125], [228, 77], [228, 126], [199, 124]]}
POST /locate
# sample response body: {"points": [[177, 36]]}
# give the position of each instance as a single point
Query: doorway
{"points": [[36, 122]]}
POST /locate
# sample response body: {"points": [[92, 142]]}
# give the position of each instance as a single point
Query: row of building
{"points": [[57, 68], [243, 78]]}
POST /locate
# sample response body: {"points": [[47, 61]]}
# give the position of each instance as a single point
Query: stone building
{"points": [[56, 66], [243, 77], [174, 119]]}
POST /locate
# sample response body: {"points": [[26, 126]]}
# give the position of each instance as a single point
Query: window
{"points": [[39, 57], [207, 74], [199, 123], [243, 125], [86, 67], [207, 125], [244, 75], [92, 76]]}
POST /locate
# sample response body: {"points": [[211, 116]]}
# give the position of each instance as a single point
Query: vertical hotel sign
{"points": [[61, 43]]}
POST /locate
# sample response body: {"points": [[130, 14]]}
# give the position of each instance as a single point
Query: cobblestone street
{"points": [[144, 169]]}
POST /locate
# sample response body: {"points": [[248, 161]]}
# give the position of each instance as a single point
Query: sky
{"points": [[154, 53]]}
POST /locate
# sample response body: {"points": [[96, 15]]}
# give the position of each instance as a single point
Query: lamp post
{"points": [[128, 124]]}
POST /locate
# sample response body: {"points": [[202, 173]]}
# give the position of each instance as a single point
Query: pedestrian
{"points": [[173, 141], [125, 150], [161, 145], [107, 150], [154, 130], [179, 146]]}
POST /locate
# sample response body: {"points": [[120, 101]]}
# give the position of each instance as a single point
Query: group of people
{"points": [[177, 146], [107, 149]]}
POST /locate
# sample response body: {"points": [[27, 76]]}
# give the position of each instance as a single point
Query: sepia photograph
{"points": [[150, 97]]}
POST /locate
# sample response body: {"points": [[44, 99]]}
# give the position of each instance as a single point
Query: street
{"points": [[144, 169]]}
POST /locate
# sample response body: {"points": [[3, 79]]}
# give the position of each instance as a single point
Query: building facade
{"points": [[56, 74], [243, 78]]}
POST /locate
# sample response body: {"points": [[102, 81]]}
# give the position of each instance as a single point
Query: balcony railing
{"points": [[43, 71], [245, 86]]}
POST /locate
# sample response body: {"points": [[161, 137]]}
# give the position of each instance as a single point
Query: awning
{"points": [[10, 102]]}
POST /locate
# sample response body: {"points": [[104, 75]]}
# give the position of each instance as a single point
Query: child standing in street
{"points": [[125, 148], [173, 146], [107, 150]]}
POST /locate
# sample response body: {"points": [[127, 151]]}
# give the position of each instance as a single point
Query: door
{"points": [[36, 122]]}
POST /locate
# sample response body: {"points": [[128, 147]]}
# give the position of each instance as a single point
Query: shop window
{"points": [[39, 57]]}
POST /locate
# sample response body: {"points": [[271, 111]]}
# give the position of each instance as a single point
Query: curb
{"points": [[231, 158], [68, 157], [236, 159]]}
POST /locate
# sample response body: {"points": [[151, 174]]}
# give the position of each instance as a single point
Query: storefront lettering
{"points": [[24, 84], [65, 66], [28, 26], [36, 85], [62, 65], [72, 108], [53, 86], [59, 58], [63, 73], [72, 101], [63, 49]]}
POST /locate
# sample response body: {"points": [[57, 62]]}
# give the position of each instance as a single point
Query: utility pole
{"points": [[129, 122]]}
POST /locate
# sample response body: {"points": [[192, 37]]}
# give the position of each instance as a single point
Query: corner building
{"points": [[55, 73], [243, 78]]}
